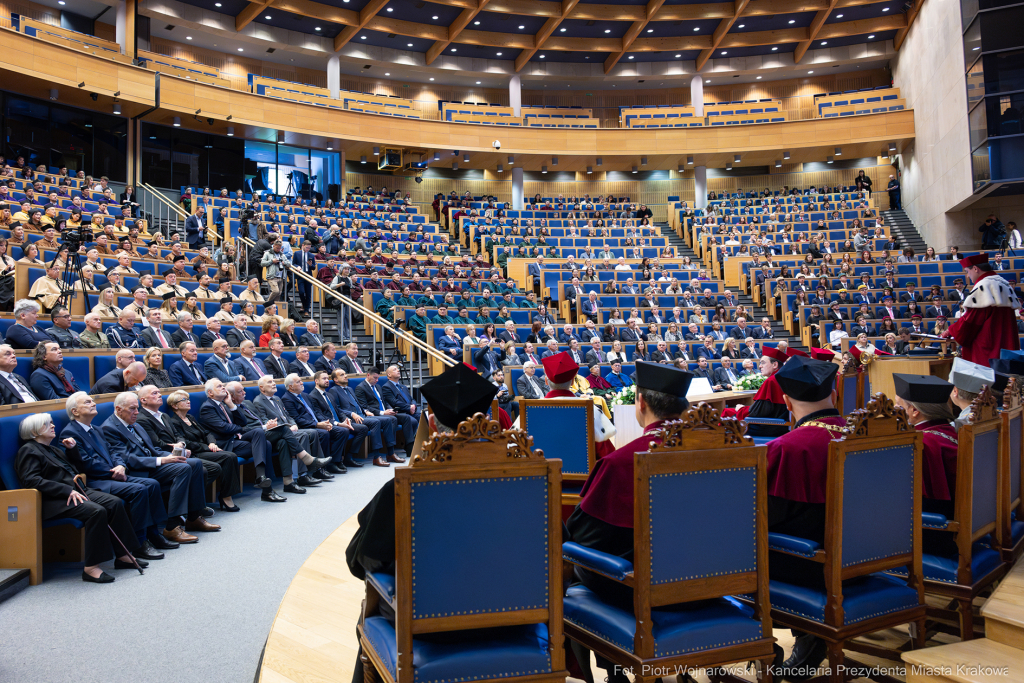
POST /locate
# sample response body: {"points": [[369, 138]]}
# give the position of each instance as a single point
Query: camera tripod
{"points": [[72, 272]]}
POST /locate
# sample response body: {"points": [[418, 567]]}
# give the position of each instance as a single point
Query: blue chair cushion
{"points": [[465, 655], [612, 566], [934, 520], [984, 560], [384, 584], [678, 629], [793, 544], [863, 598]]}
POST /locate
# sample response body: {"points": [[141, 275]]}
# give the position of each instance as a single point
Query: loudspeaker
{"points": [[419, 180], [334, 192]]}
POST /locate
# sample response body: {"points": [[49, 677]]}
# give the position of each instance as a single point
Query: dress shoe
{"points": [[103, 578], [349, 462], [118, 564], [808, 653], [293, 488], [272, 496], [178, 535], [395, 458], [379, 461], [321, 475], [146, 551], [306, 480], [229, 508], [318, 463], [200, 524], [263, 482], [162, 542], [334, 469], [207, 512]]}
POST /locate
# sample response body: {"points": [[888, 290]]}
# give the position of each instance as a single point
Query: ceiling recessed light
{"points": [[268, 17], [431, 78], [871, 36], [678, 56], [390, 9], [650, 30], [434, 17], [607, 30], [542, 56], [216, 4], [240, 50], [792, 21], [810, 72], [498, 54], [725, 52], [885, 9], [631, 56], [387, 73], [408, 44], [562, 30], [742, 26], [188, 37], [758, 78], [774, 49], [362, 37], [61, 2], [478, 82], [454, 50], [696, 28], [824, 42], [707, 81], [521, 28], [476, 23], [839, 16], [317, 29], [975, 49]]}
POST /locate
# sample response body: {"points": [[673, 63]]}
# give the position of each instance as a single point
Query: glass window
{"points": [[261, 166], [189, 163], [972, 42], [1004, 113], [156, 155], [979, 125], [982, 174], [1004, 71], [976, 82], [28, 130]]}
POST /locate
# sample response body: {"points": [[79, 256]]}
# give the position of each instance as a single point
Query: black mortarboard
{"points": [[226, 299], [457, 394], [169, 295], [1007, 366], [999, 386], [223, 280], [177, 258], [805, 379], [663, 378], [921, 388]]}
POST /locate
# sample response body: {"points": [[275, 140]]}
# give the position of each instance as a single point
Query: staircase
{"points": [[998, 657], [904, 231]]}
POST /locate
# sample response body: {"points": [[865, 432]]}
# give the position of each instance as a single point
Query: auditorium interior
{"points": [[311, 293]]}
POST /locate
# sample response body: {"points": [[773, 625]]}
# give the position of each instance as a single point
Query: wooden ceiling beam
{"points": [[901, 34], [411, 29], [632, 34], [461, 22], [812, 31], [318, 10], [545, 32], [724, 27], [368, 12], [251, 11], [855, 28]]}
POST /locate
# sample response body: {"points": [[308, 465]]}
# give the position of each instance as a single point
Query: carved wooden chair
{"points": [[872, 513], [1011, 506], [563, 428], [849, 392], [700, 539], [976, 565], [477, 589]]}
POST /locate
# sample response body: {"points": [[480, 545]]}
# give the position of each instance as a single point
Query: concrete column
{"points": [[341, 181], [515, 100], [517, 188], [697, 94], [334, 76], [121, 26], [700, 186]]}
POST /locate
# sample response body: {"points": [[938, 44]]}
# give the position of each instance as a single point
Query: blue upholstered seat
{"points": [[609, 565], [384, 583], [471, 655], [863, 598], [679, 629], [984, 560]]}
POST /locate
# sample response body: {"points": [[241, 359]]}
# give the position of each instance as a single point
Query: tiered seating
{"points": [[321, 97], [68, 38], [478, 111], [868, 101], [558, 117], [182, 68]]}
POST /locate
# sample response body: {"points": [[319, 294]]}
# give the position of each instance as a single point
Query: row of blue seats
{"points": [[558, 228], [866, 110], [864, 99], [706, 104], [878, 268]]}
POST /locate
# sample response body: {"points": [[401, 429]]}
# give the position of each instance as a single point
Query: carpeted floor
{"points": [[200, 615]]}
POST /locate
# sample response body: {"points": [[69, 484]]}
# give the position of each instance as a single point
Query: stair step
{"points": [[1004, 610], [973, 661], [13, 581]]}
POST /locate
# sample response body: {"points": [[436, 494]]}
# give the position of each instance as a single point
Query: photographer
{"points": [[275, 262], [992, 231]]}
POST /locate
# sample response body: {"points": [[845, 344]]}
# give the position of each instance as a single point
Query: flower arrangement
{"points": [[625, 397], [751, 382]]}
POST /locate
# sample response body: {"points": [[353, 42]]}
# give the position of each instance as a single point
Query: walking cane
{"points": [[81, 489]]}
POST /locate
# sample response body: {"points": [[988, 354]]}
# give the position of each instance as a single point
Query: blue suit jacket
{"points": [[345, 401], [533, 269], [566, 338], [213, 368], [590, 308], [447, 345], [194, 229], [243, 367], [47, 386], [298, 411], [139, 456], [213, 420], [21, 337], [705, 352], [182, 377], [397, 396], [97, 458]]}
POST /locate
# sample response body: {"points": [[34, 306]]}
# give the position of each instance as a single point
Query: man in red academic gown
{"points": [[987, 322], [559, 371], [768, 401], [604, 518]]}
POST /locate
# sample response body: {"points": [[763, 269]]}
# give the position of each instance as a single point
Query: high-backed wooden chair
{"points": [[849, 396], [699, 539], [872, 524], [477, 589], [961, 577], [563, 428], [1011, 507]]}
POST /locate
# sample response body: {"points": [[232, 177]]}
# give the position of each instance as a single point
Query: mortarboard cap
{"points": [[177, 258], [560, 367], [793, 353], [223, 280], [1007, 366], [1001, 381], [970, 377], [1010, 354], [822, 354], [806, 379], [976, 260], [774, 353], [227, 299], [168, 295], [921, 388], [663, 378], [457, 394]]}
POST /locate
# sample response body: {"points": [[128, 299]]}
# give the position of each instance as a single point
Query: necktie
{"points": [[377, 394], [302, 399], [195, 372], [216, 335], [225, 411], [160, 338], [358, 369], [330, 405], [259, 373]]}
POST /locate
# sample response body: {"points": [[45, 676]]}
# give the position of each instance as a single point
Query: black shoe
{"points": [[306, 480], [263, 483], [207, 512], [146, 551], [293, 488], [349, 462], [321, 475], [334, 469], [272, 496], [808, 652], [318, 463], [229, 508], [104, 578], [118, 564], [159, 541]]}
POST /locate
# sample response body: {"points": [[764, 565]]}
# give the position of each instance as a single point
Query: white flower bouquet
{"points": [[625, 397], [751, 382]]}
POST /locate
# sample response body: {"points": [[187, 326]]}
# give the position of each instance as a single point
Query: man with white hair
{"points": [[184, 476], [551, 350], [186, 372], [184, 332], [247, 364], [238, 334], [312, 336], [13, 388], [24, 334], [300, 407], [93, 337], [118, 380], [283, 435], [528, 386], [211, 335], [301, 365], [123, 335]]}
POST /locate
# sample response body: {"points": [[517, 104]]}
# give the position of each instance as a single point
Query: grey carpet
{"points": [[202, 614]]}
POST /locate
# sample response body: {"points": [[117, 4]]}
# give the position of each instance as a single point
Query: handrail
{"points": [[411, 338], [160, 196]]}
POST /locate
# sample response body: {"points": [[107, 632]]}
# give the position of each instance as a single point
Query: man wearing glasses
{"points": [[61, 331]]}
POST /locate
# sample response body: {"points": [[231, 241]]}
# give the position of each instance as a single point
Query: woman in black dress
{"points": [[155, 373], [203, 447]]}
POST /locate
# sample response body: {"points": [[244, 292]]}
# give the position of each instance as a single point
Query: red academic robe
{"points": [[608, 492], [768, 402], [989, 322], [798, 460], [940, 458], [601, 448]]}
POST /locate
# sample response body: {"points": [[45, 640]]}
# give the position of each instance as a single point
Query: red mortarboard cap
{"points": [[822, 354], [560, 368], [773, 352], [793, 353], [976, 260], [916, 315]]}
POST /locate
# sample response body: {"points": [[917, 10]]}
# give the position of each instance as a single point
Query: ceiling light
{"points": [[892, 146], [708, 81], [216, 4], [758, 78], [631, 56], [725, 52], [455, 166], [554, 161], [975, 49], [390, 10], [188, 37], [542, 56], [434, 17], [742, 26], [689, 160], [839, 16], [501, 169], [562, 30], [885, 9], [696, 28], [408, 44], [387, 73], [810, 72], [231, 132], [317, 28], [590, 169], [499, 54], [736, 158], [824, 42], [465, 157], [376, 151], [431, 78], [650, 30], [792, 21], [678, 56], [362, 37], [785, 155], [839, 151], [454, 50], [511, 161], [680, 168], [177, 121], [478, 82], [871, 36], [117, 109], [240, 50], [778, 164], [728, 167], [828, 160], [643, 161], [330, 148], [607, 30], [634, 169], [521, 28], [476, 23], [268, 17], [61, 2], [362, 159], [774, 49], [543, 169], [599, 161], [437, 156]]}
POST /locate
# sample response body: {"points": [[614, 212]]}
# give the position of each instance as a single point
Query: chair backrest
{"points": [[1012, 428], [477, 534], [563, 428], [702, 462], [848, 392]]}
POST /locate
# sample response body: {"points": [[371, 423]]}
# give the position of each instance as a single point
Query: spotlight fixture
{"points": [[829, 160], [892, 147], [728, 167], [785, 155], [884, 154], [634, 169], [839, 151], [775, 49], [231, 133], [643, 161], [455, 152], [554, 161], [465, 157], [177, 122], [736, 158], [679, 169], [501, 169], [362, 159], [53, 93], [543, 169], [590, 169], [280, 136], [599, 161], [824, 42], [497, 54], [778, 163], [792, 21], [117, 109], [376, 151], [437, 156], [631, 56], [511, 160], [689, 160], [455, 166]]}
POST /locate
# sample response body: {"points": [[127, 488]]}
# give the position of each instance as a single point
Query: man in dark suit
{"points": [[371, 401], [543, 317], [380, 429], [764, 331], [326, 362], [154, 335], [863, 295], [195, 228], [661, 354], [509, 333], [184, 476], [186, 372], [629, 334], [275, 363], [591, 307], [118, 379], [305, 262], [596, 352], [567, 334], [248, 364], [708, 350], [938, 308], [107, 472], [536, 270], [24, 334], [529, 385], [486, 357], [300, 408], [301, 365], [220, 365], [238, 334], [184, 332], [740, 332], [354, 432], [211, 335], [911, 294], [703, 370], [350, 362], [13, 387], [725, 376], [312, 336]]}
